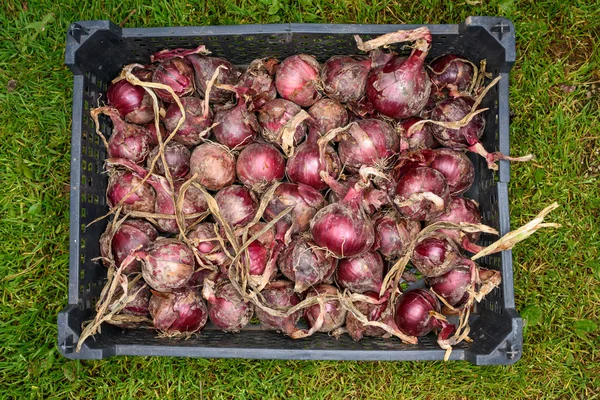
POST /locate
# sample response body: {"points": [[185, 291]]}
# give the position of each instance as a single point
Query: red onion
{"points": [[237, 127], [262, 254], [456, 168], [368, 142], [335, 314], [452, 286], [306, 201], [344, 228], [237, 204], [274, 115], [226, 308], [133, 102], [210, 251], [305, 264], [177, 74], [421, 194], [393, 234], [258, 79], [435, 255], [139, 304], [279, 294], [373, 312], [151, 127], [204, 68], [121, 183], [413, 313], [168, 265], [460, 210], [345, 78], [408, 161], [178, 312], [177, 157], [305, 166], [328, 114], [131, 235], [259, 166], [373, 199], [201, 275], [455, 109], [213, 165], [451, 73], [297, 79], [401, 87], [197, 121], [420, 137], [361, 274]]}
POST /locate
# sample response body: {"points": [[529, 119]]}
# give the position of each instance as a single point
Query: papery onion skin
{"points": [[297, 78], [335, 314], [417, 182], [237, 204], [178, 312], [413, 312], [213, 165], [168, 265]]}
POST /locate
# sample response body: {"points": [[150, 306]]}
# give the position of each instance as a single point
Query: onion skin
{"points": [[258, 79], [177, 74], [168, 265], [197, 121], [151, 127], [177, 157], [139, 304], [335, 314], [456, 167], [305, 264], [328, 114], [393, 234], [373, 312], [361, 274], [345, 78], [459, 210], [259, 166], [132, 235], [373, 199], [452, 286], [237, 127], [435, 255], [420, 137], [450, 74], [417, 182], [210, 251], [274, 115], [213, 166], [178, 312], [237, 204], [297, 78], [128, 141], [279, 294], [204, 67], [368, 142], [412, 312], [120, 183], [226, 308], [133, 102], [455, 109]]}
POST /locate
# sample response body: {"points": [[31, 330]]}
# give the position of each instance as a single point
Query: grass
{"points": [[557, 272]]}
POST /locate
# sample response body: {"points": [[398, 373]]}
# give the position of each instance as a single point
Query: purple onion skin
{"points": [[151, 127], [120, 183], [305, 264], [296, 79], [204, 68], [237, 205], [178, 312], [328, 114], [335, 314], [237, 127], [401, 87], [259, 166], [417, 181], [139, 304], [455, 109], [435, 255], [421, 137], [393, 234], [456, 167], [279, 294], [373, 312], [305, 166], [177, 157], [128, 141], [345, 78], [373, 199], [274, 115], [306, 201], [168, 265], [193, 130], [459, 210], [453, 285], [450, 73], [368, 142], [211, 251], [133, 102], [361, 274], [258, 79], [177, 74], [132, 235], [412, 312], [213, 166], [226, 308]]}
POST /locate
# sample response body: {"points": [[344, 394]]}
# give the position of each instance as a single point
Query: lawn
{"points": [[555, 102]]}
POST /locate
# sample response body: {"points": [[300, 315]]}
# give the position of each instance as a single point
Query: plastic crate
{"points": [[95, 53]]}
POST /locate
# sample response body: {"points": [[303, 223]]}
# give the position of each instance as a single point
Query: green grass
{"points": [[557, 272]]}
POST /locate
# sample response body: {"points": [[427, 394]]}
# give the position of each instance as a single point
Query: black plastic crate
{"points": [[97, 50]]}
